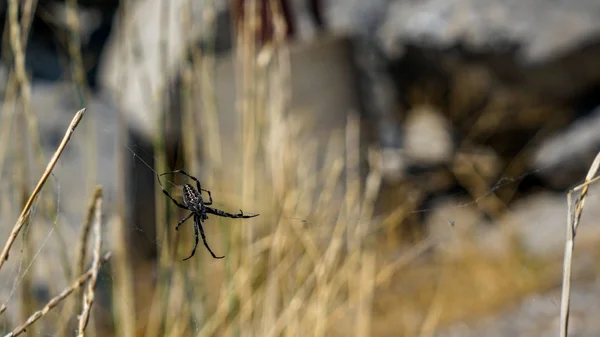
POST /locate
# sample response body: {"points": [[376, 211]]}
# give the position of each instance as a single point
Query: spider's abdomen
{"points": [[192, 198]]}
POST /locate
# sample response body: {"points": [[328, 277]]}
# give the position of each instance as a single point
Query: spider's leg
{"points": [[198, 224], [187, 175], [196, 238], [168, 195], [174, 201], [183, 220], [176, 171], [219, 212], [209, 202]]}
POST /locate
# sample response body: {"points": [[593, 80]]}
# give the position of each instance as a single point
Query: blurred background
{"points": [[409, 159]]}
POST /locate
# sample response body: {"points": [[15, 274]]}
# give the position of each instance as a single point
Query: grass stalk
{"points": [[81, 88], [57, 299], [6, 120], [123, 294], [572, 224], [36, 191], [85, 230], [156, 321], [17, 39], [88, 297], [123, 291]]}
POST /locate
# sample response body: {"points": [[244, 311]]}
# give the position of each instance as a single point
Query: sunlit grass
{"points": [[314, 262]]}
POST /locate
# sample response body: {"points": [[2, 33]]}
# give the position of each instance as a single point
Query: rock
{"points": [[539, 221], [136, 73], [544, 29], [391, 162], [537, 315], [427, 136], [460, 228], [552, 56], [564, 158]]}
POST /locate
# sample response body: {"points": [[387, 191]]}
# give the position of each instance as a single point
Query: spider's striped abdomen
{"points": [[192, 198]]}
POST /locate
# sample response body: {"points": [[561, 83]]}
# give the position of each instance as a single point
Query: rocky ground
{"points": [[538, 315]]}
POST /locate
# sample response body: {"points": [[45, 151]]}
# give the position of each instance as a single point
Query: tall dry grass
{"points": [[307, 265], [304, 261], [310, 265]]}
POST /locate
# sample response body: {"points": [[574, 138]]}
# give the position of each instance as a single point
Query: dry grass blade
{"points": [[572, 224], [123, 291], [18, 50], [384, 275], [79, 268], [88, 298], [25, 212], [83, 240], [56, 300], [366, 293]]}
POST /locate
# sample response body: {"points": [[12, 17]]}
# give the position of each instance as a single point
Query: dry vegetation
{"points": [[313, 263]]}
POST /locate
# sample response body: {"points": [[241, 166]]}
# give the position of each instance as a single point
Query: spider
{"points": [[192, 201]]}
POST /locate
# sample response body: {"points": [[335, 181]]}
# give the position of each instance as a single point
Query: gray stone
{"points": [[568, 153], [537, 315], [544, 28], [427, 136], [540, 222]]}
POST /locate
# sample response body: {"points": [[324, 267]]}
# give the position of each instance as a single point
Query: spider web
{"points": [[68, 221], [36, 245], [68, 216], [442, 213], [41, 263], [136, 156]]}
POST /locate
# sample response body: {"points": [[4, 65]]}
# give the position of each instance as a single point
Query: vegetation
{"points": [[318, 261]]}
